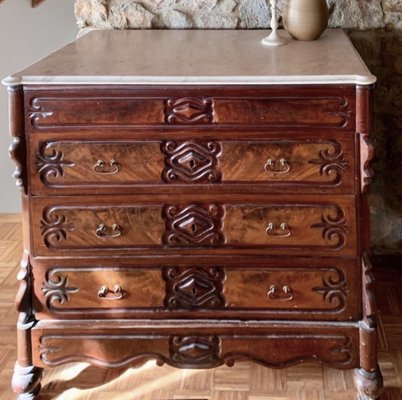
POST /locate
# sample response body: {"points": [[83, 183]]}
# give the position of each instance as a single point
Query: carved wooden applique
{"points": [[192, 161], [332, 162], [189, 110], [195, 351], [50, 162], [193, 225], [194, 288], [333, 228]]}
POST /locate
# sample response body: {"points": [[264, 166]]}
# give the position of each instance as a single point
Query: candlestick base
{"points": [[274, 39]]}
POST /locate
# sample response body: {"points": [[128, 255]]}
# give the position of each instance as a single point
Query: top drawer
{"points": [[77, 107]]}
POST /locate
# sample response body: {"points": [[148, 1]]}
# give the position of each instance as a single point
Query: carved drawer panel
{"points": [[120, 108], [77, 166], [187, 344], [327, 292], [142, 224]]}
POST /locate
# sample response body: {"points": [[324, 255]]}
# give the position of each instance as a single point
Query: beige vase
{"points": [[306, 19]]}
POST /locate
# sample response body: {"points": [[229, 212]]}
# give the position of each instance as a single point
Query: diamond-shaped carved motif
{"points": [[191, 288], [194, 225], [195, 351], [192, 161], [189, 110]]}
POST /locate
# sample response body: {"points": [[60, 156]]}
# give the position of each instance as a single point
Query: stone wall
{"points": [[375, 27]]}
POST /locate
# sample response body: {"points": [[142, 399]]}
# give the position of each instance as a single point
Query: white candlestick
{"points": [[274, 39]]}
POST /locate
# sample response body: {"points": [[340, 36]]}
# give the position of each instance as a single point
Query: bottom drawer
{"points": [[326, 290], [188, 344]]}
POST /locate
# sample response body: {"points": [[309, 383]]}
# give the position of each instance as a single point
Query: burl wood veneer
{"points": [[205, 203]]}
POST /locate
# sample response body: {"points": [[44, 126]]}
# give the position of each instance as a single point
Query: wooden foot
{"points": [[26, 382], [369, 385]]}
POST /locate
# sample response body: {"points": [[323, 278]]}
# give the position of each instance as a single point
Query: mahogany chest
{"points": [[196, 199]]}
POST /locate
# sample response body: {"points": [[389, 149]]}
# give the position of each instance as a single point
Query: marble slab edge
{"points": [[210, 80]]}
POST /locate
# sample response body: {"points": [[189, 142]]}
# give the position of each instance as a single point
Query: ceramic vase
{"points": [[305, 19]]}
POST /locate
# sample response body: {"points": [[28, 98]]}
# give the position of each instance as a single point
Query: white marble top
{"points": [[198, 57]]}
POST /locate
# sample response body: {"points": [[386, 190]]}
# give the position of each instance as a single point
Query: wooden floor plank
{"points": [[245, 381]]}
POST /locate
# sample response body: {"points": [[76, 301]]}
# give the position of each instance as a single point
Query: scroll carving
{"points": [[333, 228], [202, 351], [194, 288], [54, 227], [343, 110], [37, 111], [189, 110], [193, 225], [192, 161], [332, 162], [50, 162], [17, 149], [364, 105], [366, 155], [56, 288], [334, 289]]}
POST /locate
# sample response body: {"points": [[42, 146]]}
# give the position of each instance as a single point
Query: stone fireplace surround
{"points": [[375, 27]]}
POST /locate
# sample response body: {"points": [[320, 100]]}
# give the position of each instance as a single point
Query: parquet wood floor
{"points": [[245, 381]]}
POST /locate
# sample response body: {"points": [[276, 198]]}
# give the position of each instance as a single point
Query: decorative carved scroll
{"points": [[191, 161], [56, 288], [50, 162], [343, 110], [54, 227], [195, 351], [201, 351], [366, 157], [332, 162], [193, 288], [37, 111], [333, 228], [334, 289], [17, 149], [189, 110], [194, 225]]}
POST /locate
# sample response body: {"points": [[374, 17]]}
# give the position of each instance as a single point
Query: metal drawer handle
{"points": [[274, 293], [100, 167], [281, 167], [109, 233], [282, 231], [116, 294]]}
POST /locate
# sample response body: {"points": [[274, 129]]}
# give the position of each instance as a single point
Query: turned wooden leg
{"points": [[369, 385], [26, 382]]}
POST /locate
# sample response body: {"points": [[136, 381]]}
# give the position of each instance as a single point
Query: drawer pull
{"points": [[282, 231], [107, 294], [100, 167], [274, 293], [281, 167], [109, 233]]}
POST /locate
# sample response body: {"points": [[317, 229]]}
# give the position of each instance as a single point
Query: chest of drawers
{"points": [[184, 205]]}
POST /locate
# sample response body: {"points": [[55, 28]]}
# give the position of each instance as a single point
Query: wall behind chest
{"points": [[27, 35]]}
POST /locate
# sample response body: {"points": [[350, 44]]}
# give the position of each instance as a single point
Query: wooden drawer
{"points": [[121, 108], [187, 344], [85, 165], [325, 290], [312, 225]]}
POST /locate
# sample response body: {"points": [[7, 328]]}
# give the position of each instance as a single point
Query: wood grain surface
{"points": [[245, 381]]}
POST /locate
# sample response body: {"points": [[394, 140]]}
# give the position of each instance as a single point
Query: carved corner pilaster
{"points": [[17, 148], [368, 326], [364, 127]]}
